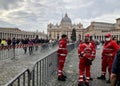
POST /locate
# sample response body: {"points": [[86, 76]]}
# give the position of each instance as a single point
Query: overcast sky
{"points": [[32, 15]]}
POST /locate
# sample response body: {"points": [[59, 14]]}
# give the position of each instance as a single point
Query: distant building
{"points": [[96, 29], [99, 29], [19, 34], [65, 27]]}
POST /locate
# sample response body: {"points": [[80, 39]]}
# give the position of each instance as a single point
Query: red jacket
{"points": [[62, 48], [109, 49], [86, 50]]}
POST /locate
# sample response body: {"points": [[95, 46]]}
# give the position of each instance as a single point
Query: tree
{"points": [[73, 35]]}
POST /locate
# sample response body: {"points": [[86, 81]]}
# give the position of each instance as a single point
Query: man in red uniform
{"points": [[62, 53], [110, 48], [86, 52]]}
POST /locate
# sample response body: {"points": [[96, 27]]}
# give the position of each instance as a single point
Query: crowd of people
{"points": [[33, 43], [110, 59], [13, 41]]}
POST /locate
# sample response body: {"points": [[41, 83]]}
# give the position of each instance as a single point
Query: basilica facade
{"points": [[96, 29], [65, 27]]}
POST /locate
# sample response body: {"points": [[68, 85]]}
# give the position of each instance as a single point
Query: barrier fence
{"points": [[44, 69], [17, 50], [41, 72], [22, 79]]}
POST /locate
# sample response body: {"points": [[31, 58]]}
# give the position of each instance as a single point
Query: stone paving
{"points": [[10, 68], [71, 70]]}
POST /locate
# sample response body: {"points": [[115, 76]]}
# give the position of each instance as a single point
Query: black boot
{"points": [[102, 77], [84, 78], [64, 76], [61, 79], [91, 78], [87, 83], [80, 84], [108, 81]]}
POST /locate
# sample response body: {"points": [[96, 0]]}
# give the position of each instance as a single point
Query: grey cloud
{"points": [[9, 4], [101, 7], [38, 13], [97, 8], [6, 24], [23, 16]]}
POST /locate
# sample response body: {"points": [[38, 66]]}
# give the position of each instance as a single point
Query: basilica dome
{"points": [[66, 19]]}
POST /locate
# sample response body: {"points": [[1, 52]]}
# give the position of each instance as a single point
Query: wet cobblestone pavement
{"points": [[71, 70]]}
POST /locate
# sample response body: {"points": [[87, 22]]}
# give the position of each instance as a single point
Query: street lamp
{"points": [[82, 34]]}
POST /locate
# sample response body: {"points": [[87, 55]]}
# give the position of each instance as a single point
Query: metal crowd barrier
{"points": [[71, 46], [42, 72], [17, 50], [44, 69], [22, 79]]}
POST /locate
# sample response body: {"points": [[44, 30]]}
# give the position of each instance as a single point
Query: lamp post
{"points": [[49, 33], [67, 31], [82, 34]]}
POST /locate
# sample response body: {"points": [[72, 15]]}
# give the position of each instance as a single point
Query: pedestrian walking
{"points": [[30, 46], [3, 42], [25, 42]]}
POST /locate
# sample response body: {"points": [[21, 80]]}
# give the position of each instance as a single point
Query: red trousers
{"points": [[84, 69], [61, 65], [107, 62]]}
